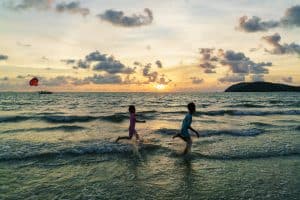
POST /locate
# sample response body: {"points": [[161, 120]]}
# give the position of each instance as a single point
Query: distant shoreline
{"points": [[262, 87]]}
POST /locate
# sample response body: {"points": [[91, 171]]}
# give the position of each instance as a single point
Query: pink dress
{"points": [[132, 130]]}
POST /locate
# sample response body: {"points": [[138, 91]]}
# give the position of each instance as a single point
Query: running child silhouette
{"points": [[132, 122], [186, 124]]}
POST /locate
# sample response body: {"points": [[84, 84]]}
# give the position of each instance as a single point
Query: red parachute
{"points": [[34, 82]]}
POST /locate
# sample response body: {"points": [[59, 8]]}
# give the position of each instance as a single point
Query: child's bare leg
{"points": [[123, 138], [188, 145], [137, 136]]}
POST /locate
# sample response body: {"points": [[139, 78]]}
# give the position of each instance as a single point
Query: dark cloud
{"points": [[288, 79], [118, 18], [163, 80], [158, 64], [82, 64], [239, 63], [96, 56], [27, 4], [291, 18], [152, 76], [196, 80], [231, 78], [99, 79], [257, 77], [278, 48], [113, 67], [207, 59], [73, 8], [255, 24], [21, 77], [3, 57]]}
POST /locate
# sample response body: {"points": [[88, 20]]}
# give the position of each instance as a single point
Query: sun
{"points": [[160, 86]]}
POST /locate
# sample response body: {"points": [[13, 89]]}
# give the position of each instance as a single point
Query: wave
{"points": [[56, 128], [246, 105], [93, 149], [208, 133]]}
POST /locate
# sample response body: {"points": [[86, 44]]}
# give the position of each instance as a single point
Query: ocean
{"points": [[61, 146]]}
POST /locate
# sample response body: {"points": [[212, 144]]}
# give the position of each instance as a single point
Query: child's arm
{"points": [[194, 131]]}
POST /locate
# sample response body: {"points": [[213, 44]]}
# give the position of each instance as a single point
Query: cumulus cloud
{"points": [[118, 18], [163, 80], [72, 7], [239, 63], [196, 80], [207, 59], [104, 79], [27, 4], [288, 79], [152, 76], [255, 24], [23, 44], [291, 18], [231, 78], [278, 48], [3, 57], [101, 62]]}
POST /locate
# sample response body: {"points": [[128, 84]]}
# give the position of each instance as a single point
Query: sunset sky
{"points": [[151, 45]]}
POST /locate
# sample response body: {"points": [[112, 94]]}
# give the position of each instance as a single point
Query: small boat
{"points": [[45, 92]]}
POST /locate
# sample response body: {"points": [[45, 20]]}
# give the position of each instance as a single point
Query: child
{"points": [[132, 130], [186, 124]]}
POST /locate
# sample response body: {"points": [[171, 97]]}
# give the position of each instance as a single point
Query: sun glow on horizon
{"points": [[160, 86]]}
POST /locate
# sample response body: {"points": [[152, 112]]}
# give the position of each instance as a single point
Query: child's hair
{"points": [[192, 107], [131, 108]]}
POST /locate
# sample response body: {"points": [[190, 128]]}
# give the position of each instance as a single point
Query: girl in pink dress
{"points": [[131, 129]]}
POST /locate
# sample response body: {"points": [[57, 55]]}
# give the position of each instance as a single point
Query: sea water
{"points": [[61, 146]]}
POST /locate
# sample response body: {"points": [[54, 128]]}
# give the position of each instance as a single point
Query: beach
{"points": [[61, 146]]}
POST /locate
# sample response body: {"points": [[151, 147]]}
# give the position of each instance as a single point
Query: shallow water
{"points": [[61, 146]]}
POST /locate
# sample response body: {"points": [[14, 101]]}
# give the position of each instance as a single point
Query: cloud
{"points": [[196, 80], [3, 57], [288, 79], [72, 7], [163, 80], [96, 56], [158, 64], [231, 78], [113, 67], [278, 48], [101, 62], [206, 60], [239, 63], [118, 18], [152, 76], [55, 81], [4, 78], [82, 64], [291, 18], [99, 79], [27, 4], [255, 24]]}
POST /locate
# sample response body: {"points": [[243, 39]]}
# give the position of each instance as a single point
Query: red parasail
{"points": [[34, 82]]}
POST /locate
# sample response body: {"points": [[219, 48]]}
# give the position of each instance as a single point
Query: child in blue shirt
{"points": [[186, 124]]}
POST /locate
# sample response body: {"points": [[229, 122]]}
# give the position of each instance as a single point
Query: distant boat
{"points": [[45, 92]]}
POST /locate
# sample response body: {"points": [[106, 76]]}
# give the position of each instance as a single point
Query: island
{"points": [[262, 87]]}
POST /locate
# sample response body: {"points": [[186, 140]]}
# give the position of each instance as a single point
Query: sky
{"points": [[147, 46]]}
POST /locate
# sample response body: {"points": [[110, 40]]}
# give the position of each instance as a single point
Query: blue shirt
{"points": [[186, 123]]}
